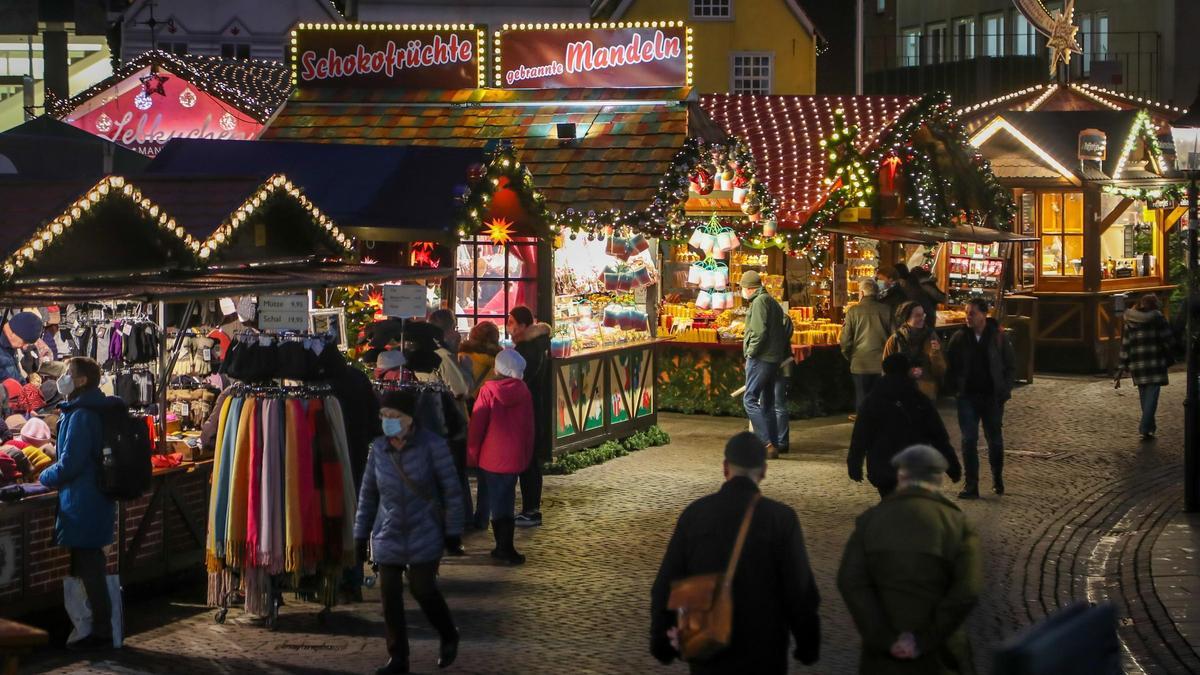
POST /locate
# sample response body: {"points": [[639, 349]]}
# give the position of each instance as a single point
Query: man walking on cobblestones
{"points": [[911, 574], [774, 595], [982, 369], [867, 328], [766, 346]]}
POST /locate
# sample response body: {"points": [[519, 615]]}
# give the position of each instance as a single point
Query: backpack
{"points": [[128, 475]]}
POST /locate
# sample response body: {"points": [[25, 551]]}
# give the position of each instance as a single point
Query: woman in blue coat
{"points": [[411, 508], [85, 516]]}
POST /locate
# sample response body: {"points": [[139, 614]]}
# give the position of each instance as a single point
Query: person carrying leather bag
{"points": [[735, 584]]}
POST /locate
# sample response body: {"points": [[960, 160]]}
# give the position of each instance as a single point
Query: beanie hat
{"points": [[35, 432], [390, 359], [746, 450], [750, 279], [403, 400], [15, 422], [27, 326], [37, 458], [510, 363], [13, 389]]}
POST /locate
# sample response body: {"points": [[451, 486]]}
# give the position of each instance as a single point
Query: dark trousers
{"points": [[531, 487], [501, 494], [973, 411], [759, 399], [91, 566], [482, 515], [783, 382], [422, 583], [458, 452], [1148, 397], [863, 384]]}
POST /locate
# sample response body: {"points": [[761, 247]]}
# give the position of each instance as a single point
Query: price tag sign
{"points": [[283, 312], [404, 301]]}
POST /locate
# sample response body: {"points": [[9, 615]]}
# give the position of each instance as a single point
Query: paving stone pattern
{"points": [[1087, 503]]}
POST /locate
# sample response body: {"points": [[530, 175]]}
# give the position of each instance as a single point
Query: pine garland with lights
{"points": [[1175, 193], [502, 162]]}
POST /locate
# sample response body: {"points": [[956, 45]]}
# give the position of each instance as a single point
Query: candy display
{"points": [[597, 288]]}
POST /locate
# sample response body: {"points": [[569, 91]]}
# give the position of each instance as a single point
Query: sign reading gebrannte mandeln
{"points": [[393, 57], [592, 56]]}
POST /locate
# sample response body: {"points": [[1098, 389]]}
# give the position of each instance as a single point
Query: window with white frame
{"points": [[712, 9], [910, 47], [993, 35], [750, 73], [964, 38], [1023, 36], [935, 36]]}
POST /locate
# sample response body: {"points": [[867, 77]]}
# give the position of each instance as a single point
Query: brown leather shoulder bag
{"points": [[704, 603]]}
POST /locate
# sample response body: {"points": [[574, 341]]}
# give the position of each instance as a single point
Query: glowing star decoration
{"points": [[1058, 27], [375, 302], [499, 230], [421, 255], [228, 123], [103, 123], [187, 97], [154, 83], [143, 101]]}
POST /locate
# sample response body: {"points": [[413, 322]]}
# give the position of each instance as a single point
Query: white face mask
{"points": [[748, 293], [65, 384]]}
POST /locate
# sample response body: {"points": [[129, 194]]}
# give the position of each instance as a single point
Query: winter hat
{"points": [[37, 458], [922, 462], [12, 388], [35, 432], [27, 326], [510, 363], [390, 359], [404, 401], [746, 450], [750, 279], [15, 422]]}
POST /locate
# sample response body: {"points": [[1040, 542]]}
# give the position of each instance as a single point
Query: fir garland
{"points": [[1175, 193]]}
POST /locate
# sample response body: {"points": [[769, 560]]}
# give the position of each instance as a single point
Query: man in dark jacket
{"points": [[896, 415], [23, 329], [766, 348], [911, 574], [774, 594], [981, 370], [532, 342]]}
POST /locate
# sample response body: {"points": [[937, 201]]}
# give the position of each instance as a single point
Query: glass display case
{"points": [[973, 269], [601, 291]]}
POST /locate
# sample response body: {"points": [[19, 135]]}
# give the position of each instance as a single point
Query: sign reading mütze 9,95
{"points": [[594, 55], [378, 56]]}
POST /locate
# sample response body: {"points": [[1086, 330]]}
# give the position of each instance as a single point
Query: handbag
{"points": [[704, 603]]}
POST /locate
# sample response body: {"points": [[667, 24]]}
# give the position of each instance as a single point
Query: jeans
{"points": [[759, 399], [783, 382], [862, 386], [1148, 395], [500, 493], [971, 412], [531, 487], [482, 514], [91, 566], [422, 582]]}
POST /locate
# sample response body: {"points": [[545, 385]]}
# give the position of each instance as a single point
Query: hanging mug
{"points": [[725, 241], [721, 277], [739, 194], [734, 242], [708, 242], [706, 279]]}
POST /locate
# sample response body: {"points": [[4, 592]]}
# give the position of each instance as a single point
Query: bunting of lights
{"points": [[275, 188]]}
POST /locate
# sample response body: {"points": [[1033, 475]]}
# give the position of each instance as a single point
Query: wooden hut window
{"points": [[1061, 230], [493, 278]]}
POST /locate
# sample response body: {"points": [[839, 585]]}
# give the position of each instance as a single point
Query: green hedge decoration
{"points": [[572, 462]]}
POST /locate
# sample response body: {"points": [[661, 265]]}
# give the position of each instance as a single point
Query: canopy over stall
{"points": [[44, 148]]}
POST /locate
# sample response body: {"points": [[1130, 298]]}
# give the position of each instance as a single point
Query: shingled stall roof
{"points": [[1077, 96], [784, 133], [624, 146]]}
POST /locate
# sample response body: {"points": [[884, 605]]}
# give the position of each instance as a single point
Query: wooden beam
{"points": [[1173, 217], [1117, 212]]}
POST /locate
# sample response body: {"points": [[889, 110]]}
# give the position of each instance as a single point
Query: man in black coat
{"points": [[896, 415], [532, 341], [774, 594]]}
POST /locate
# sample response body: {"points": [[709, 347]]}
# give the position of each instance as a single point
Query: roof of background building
{"points": [[1053, 97]]}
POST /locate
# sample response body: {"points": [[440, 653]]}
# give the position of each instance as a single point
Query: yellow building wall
{"points": [[757, 26]]}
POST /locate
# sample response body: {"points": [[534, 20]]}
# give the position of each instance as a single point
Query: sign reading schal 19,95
{"points": [[392, 57], [593, 56]]}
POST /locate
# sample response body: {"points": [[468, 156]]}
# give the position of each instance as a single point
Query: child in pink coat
{"points": [[500, 444]]}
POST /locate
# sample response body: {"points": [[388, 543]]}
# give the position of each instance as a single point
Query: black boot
{"points": [[393, 666], [998, 478], [502, 530], [448, 651]]}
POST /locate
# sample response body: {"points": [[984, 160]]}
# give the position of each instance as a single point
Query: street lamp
{"points": [[1185, 132]]}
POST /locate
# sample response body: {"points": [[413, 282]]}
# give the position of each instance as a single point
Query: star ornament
{"points": [[499, 230], [154, 83], [1062, 39]]}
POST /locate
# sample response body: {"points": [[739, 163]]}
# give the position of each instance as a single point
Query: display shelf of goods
{"points": [[597, 320], [809, 330]]}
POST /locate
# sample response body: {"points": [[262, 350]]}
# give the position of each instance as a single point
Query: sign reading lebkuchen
{"points": [[397, 57], [594, 56]]}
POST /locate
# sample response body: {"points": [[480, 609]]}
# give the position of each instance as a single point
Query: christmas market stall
{"points": [[1098, 197], [159, 95]]}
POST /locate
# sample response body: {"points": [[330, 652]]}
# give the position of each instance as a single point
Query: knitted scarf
{"points": [[333, 412], [218, 499], [329, 482], [302, 513], [239, 488], [255, 486], [270, 547]]}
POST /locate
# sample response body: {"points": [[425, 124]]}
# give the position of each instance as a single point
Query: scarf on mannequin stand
{"points": [[239, 487], [333, 413], [302, 515]]}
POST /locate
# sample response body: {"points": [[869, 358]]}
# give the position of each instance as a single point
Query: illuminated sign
{"points": [[594, 56], [375, 56], [1093, 145]]}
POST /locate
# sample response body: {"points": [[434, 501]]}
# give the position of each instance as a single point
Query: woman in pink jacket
{"points": [[500, 444]]}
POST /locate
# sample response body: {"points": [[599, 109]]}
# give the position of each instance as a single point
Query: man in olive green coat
{"points": [[867, 328], [768, 343], [911, 574]]}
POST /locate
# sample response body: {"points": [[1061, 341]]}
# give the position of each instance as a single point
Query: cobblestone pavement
{"points": [[1085, 506]]}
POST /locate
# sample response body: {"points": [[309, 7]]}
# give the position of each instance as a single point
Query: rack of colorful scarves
{"points": [[282, 505]]}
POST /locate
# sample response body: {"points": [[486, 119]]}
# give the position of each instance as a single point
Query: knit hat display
{"points": [[750, 279], [12, 389], [390, 359], [27, 326], [15, 422], [746, 450], [35, 432], [37, 458], [510, 363]]}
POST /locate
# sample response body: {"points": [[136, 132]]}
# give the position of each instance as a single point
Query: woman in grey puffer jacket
{"points": [[411, 508]]}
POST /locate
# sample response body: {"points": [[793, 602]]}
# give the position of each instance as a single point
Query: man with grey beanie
{"points": [[766, 346], [911, 574]]}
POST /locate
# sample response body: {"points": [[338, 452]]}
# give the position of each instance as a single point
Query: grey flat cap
{"points": [[921, 459]]}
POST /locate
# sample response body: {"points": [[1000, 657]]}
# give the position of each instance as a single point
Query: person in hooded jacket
{"points": [[85, 515], [532, 342], [22, 330], [480, 349], [500, 444], [411, 511], [1146, 354], [916, 339], [894, 416]]}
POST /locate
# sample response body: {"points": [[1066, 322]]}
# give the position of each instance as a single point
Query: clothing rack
{"points": [[310, 390], [410, 385]]}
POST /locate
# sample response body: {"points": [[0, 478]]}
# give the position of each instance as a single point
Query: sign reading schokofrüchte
{"points": [[593, 56], [374, 56]]}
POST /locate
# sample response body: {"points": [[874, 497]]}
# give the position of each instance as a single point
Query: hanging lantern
{"points": [[142, 101], [228, 123], [103, 123], [187, 97]]}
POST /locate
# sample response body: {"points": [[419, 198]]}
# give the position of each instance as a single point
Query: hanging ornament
{"points": [[752, 207], [154, 83], [143, 101], [741, 185], [701, 181], [228, 123], [476, 171], [769, 228], [187, 97], [103, 123]]}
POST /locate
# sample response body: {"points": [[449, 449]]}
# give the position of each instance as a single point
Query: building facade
{"points": [[741, 46], [492, 13]]}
